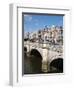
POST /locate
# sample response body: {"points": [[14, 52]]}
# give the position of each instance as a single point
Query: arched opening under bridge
{"points": [[56, 66]]}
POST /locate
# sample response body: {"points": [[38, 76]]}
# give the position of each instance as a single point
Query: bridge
{"points": [[49, 53]]}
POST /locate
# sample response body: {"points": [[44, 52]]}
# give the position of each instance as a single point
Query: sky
{"points": [[33, 22]]}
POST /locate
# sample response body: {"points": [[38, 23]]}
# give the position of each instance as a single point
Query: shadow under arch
{"points": [[25, 49], [56, 66], [36, 61]]}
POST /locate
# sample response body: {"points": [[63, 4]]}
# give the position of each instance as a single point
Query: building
{"points": [[53, 34]]}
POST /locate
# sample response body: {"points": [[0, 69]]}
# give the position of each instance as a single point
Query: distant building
{"points": [[53, 34]]}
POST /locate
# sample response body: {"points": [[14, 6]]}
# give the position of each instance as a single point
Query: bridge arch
{"points": [[56, 65], [36, 61], [25, 49], [36, 53]]}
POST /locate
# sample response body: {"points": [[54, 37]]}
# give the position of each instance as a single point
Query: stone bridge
{"points": [[49, 53]]}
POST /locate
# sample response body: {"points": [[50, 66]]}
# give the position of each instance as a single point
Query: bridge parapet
{"points": [[57, 48]]}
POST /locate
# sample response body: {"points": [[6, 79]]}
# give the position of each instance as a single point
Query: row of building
{"points": [[52, 35]]}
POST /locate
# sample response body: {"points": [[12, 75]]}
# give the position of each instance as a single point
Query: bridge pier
{"points": [[45, 58]]}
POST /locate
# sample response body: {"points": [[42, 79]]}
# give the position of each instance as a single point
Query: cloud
{"points": [[28, 18]]}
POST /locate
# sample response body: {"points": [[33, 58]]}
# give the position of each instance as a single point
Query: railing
{"points": [[53, 47]]}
